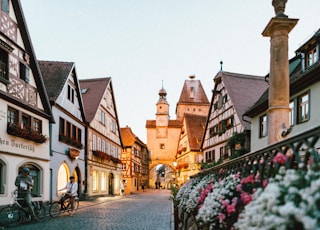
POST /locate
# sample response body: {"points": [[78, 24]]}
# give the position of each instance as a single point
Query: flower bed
{"points": [[290, 199], [26, 133]]}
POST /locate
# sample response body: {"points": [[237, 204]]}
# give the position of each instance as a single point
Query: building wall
{"points": [[15, 152], [60, 154], [314, 121]]}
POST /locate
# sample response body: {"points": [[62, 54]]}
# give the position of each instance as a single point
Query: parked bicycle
{"points": [[63, 205], [17, 211]]}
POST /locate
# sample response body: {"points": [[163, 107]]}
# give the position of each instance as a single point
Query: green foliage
{"points": [[174, 189], [206, 165]]}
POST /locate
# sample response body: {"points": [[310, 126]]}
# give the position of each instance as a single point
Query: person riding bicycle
{"points": [[24, 182], [72, 191]]}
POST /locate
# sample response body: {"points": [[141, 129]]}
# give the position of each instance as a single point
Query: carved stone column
{"points": [[279, 86]]}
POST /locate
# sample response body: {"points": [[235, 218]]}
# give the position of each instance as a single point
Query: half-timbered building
{"points": [[25, 112], [189, 155], [68, 132], [233, 93], [103, 140], [135, 161]]}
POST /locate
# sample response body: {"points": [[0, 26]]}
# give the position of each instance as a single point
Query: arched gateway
{"points": [[163, 134]]}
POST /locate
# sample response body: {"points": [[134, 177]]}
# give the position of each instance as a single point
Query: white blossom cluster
{"points": [[192, 202], [185, 190], [290, 201], [212, 205]]}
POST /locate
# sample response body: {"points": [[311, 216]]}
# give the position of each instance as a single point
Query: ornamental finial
{"points": [[279, 7]]}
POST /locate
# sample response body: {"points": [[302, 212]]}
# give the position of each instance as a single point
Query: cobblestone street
{"points": [[149, 210]]}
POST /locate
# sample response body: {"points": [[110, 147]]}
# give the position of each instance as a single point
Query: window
{"points": [[303, 108], [2, 176], [103, 181], [191, 92], [221, 152], [103, 146], [70, 93], [24, 73], [312, 57], [225, 99], [4, 65], [102, 117], [12, 116], [23, 121], [210, 156], [94, 181], [5, 6], [113, 126], [26, 121], [263, 126], [162, 146], [36, 125], [124, 166], [292, 114], [229, 122], [94, 142], [69, 130]]}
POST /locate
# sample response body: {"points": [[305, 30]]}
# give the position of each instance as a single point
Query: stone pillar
{"points": [[279, 86]]}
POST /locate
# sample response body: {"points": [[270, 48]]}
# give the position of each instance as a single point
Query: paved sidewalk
{"points": [[148, 210]]}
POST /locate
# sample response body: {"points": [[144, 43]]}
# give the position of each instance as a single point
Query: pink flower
{"points": [[248, 179], [246, 197], [239, 188], [221, 217], [231, 208], [225, 203], [280, 159], [264, 183]]}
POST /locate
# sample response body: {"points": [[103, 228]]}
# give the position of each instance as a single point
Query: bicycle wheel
{"points": [[75, 208], [10, 216], [55, 209], [40, 212]]}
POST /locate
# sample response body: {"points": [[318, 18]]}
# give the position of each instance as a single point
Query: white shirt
{"points": [[71, 188]]}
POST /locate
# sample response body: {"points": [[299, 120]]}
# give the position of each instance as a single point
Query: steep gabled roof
{"points": [[129, 138], [193, 93], [195, 126], [55, 75], [243, 90], [33, 61], [95, 89]]}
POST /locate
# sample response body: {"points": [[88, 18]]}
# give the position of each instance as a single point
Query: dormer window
{"points": [[312, 57]]}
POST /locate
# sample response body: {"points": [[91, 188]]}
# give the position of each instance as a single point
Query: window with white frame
{"points": [[102, 117], [263, 124], [303, 107], [94, 142]]}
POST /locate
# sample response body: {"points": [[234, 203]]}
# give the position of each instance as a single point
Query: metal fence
{"points": [[297, 151]]}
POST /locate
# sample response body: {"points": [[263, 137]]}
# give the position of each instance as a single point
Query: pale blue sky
{"points": [[139, 43]]}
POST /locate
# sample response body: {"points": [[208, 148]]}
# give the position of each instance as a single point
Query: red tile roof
{"points": [[129, 138], [195, 126], [199, 95], [93, 96]]}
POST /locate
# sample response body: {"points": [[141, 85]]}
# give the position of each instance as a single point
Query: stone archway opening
{"points": [[161, 176]]}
